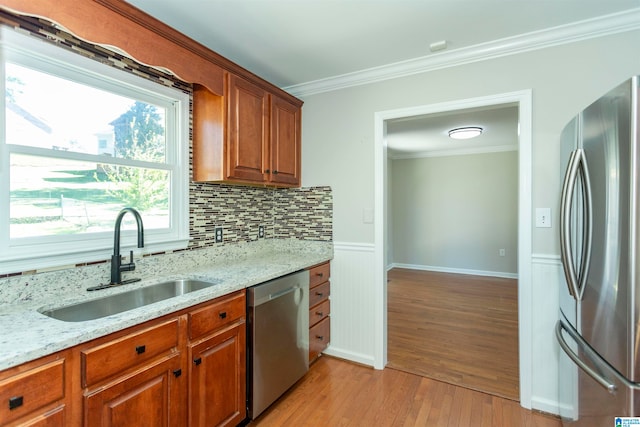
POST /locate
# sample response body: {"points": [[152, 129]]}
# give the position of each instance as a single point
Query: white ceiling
{"points": [[299, 43], [289, 42]]}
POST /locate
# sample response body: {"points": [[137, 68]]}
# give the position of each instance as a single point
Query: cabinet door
{"points": [[154, 396], [218, 376], [285, 142], [34, 394], [248, 131], [54, 418]]}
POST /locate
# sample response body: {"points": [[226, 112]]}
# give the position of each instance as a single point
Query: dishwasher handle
{"points": [[280, 293]]}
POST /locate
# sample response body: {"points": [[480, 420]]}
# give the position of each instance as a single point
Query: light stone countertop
{"points": [[28, 334]]}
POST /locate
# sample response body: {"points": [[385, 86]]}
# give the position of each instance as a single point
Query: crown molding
{"points": [[628, 20]]}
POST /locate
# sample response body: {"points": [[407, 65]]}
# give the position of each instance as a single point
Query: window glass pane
{"points": [[93, 121], [50, 196]]}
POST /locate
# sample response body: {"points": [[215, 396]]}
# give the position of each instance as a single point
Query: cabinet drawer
{"points": [[118, 355], [216, 315], [30, 390], [319, 312], [319, 338], [319, 274], [319, 293]]}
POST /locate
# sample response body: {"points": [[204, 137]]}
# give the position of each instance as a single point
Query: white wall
{"points": [[338, 150], [454, 213]]}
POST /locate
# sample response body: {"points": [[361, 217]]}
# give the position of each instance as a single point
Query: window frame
{"points": [[36, 253]]}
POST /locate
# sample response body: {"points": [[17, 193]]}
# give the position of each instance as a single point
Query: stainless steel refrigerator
{"points": [[598, 329]]}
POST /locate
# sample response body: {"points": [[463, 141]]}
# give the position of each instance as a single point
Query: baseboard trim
{"points": [[454, 270], [544, 405], [363, 359]]}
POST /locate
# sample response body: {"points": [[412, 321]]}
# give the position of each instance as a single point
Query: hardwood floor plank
{"points": [[340, 393], [455, 328]]}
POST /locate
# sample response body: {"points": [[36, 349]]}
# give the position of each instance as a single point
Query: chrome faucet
{"points": [[117, 267]]}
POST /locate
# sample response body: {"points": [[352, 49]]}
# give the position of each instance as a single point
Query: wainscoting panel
{"points": [[352, 309], [547, 277]]}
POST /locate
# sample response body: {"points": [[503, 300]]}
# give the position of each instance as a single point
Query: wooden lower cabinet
{"points": [[218, 378], [53, 418], [36, 393], [183, 369], [319, 309], [153, 396], [319, 338]]}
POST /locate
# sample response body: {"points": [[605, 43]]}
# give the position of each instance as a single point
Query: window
{"points": [[81, 141]]}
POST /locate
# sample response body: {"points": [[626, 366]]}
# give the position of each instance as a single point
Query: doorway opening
{"points": [[452, 220], [522, 101]]}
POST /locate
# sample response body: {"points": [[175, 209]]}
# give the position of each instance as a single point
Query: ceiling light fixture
{"points": [[465, 132]]}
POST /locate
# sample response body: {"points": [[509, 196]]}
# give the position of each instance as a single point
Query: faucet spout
{"points": [[117, 267]]}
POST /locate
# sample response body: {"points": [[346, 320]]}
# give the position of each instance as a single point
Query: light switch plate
{"points": [[367, 216], [543, 217]]}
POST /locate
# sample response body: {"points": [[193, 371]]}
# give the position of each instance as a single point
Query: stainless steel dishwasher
{"points": [[278, 329]]}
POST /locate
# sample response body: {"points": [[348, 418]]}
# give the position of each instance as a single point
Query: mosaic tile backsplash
{"points": [[301, 213]]}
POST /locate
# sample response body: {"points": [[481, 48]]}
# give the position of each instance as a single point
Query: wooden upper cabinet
{"points": [[248, 131], [251, 136], [285, 142]]}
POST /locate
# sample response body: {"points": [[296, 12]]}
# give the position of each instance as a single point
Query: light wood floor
{"points": [[456, 328], [339, 393]]}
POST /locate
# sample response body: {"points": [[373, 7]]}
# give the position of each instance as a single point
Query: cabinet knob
{"points": [[320, 274], [267, 171], [197, 361], [15, 402], [177, 373], [319, 313], [223, 315], [319, 294], [275, 172], [320, 337], [141, 349]]}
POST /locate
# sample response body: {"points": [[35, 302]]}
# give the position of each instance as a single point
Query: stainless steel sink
{"points": [[117, 303]]}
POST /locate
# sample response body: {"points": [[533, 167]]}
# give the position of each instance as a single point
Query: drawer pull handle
{"points": [[319, 294], [320, 274], [15, 402], [177, 373], [223, 315], [141, 349], [319, 313], [197, 361], [320, 337]]}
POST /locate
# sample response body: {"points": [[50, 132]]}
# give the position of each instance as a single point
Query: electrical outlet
{"points": [[261, 231], [218, 234]]}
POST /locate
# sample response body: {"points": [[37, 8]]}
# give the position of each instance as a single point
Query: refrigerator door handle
{"points": [[588, 231], [577, 168], [595, 358]]}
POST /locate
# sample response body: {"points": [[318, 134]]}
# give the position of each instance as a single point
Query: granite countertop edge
{"points": [[29, 335]]}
